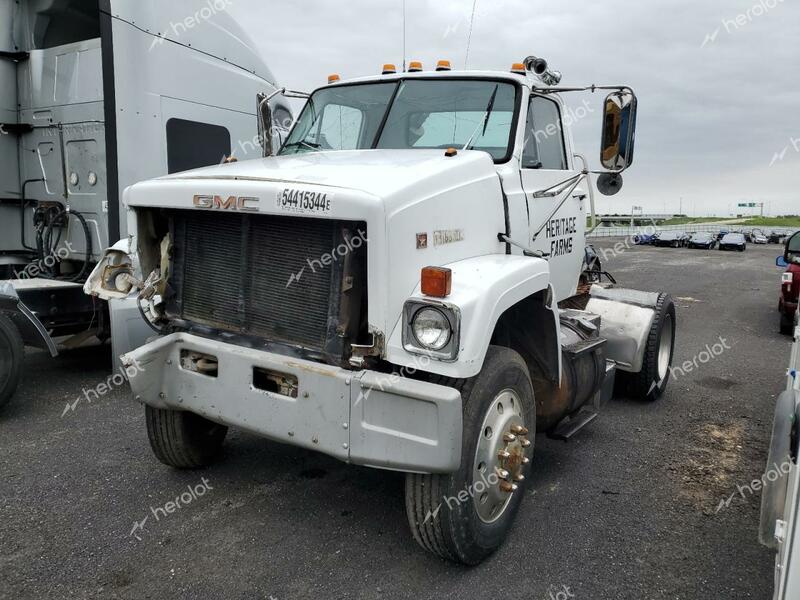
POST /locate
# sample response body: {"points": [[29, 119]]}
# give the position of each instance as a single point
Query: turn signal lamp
{"points": [[518, 68], [443, 65], [414, 66], [333, 78], [436, 281], [389, 69]]}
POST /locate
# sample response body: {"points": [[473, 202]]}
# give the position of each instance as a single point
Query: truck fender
{"points": [[30, 327], [625, 320], [483, 288]]}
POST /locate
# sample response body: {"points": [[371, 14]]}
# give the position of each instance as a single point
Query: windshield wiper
{"points": [[312, 145], [489, 108]]}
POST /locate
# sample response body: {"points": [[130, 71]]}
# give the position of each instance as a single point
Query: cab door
{"points": [[547, 161]]}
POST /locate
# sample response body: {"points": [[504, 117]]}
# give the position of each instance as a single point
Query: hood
{"points": [[382, 173]]}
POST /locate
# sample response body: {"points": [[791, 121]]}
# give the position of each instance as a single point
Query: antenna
{"points": [[469, 37], [404, 36]]}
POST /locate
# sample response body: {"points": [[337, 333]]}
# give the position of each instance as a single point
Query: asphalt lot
{"points": [[626, 510]]}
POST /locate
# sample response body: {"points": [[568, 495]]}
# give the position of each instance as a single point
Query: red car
{"points": [[790, 283]]}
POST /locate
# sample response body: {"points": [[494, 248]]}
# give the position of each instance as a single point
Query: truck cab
{"points": [[398, 285]]}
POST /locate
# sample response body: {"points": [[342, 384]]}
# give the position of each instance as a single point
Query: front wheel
{"points": [[183, 439], [651, 381], [465, 516], [12, 355]]}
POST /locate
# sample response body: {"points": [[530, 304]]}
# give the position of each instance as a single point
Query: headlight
{"points": [[431, 328]]}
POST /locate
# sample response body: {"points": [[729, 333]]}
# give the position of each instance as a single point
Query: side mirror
{"points": [[619, 130], [791, 253], [264, 113]]}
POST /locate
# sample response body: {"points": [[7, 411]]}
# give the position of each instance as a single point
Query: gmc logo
{"points": [[241, 203]]}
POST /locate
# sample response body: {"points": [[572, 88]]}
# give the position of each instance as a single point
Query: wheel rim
{"points": [[665, 348], [499, 457]]}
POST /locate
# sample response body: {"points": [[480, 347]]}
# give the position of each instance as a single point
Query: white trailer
{"points": [[95, 96], [401, 285]]}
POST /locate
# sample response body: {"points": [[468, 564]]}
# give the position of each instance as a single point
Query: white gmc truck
{"points": [[403, 284]]}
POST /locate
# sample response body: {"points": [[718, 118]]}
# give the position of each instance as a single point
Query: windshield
{"points": [[413, 113]]}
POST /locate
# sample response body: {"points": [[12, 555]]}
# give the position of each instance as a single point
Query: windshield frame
{"points": [[398, 81]]}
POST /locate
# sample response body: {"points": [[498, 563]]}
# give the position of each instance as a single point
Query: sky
{"points": [[718, 82]]}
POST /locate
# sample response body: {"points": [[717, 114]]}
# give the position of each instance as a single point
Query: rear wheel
{"points": [[12, 355], [651, 381], [183, 439], [465, 516], [787, 325]]}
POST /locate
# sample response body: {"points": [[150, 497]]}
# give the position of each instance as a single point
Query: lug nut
{"points": [[519, 430], [525, 460], [525, 443], [503, 454], [508, 487], [502, 473], [519, 478], [509, 437]]}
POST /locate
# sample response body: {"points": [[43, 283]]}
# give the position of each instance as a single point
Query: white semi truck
{"points": [[400, 285], [95, 96]]}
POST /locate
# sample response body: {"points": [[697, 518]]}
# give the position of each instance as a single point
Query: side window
{"points": [[544, 137], [339, 128], [191, 145]]}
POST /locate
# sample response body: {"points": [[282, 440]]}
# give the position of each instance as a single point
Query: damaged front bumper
{"points": [[364, 417]]}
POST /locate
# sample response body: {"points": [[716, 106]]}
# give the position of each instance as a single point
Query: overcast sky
{"points": [[718, 81]]}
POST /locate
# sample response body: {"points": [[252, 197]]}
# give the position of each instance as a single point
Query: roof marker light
{"points": [[389, 69], [443, 65], [415, 66], [518, 68], [333, 78]]}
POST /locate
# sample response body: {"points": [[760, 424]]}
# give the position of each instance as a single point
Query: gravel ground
{"points": [[627, 509]]}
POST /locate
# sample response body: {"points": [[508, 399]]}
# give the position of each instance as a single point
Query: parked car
{"points": [[722, 233], [790, 283], [702, 240], [757, 237], [747, 232], [672, 239], [776, 237], [645, 239], [733, 241]]}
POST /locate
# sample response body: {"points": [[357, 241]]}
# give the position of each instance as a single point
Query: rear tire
{"points": [[787, 325], [183, 439], [649, 383], [12, 355], [465, 516]]}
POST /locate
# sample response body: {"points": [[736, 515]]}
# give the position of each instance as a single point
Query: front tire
{"points": [[183, 439], [12, 355], [651, 381], [465, 516]]}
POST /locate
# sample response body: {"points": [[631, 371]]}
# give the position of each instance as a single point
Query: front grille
{"points": [[259, 275]]}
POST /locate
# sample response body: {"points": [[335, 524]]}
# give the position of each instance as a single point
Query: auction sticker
{"points": [[304, 201]]}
